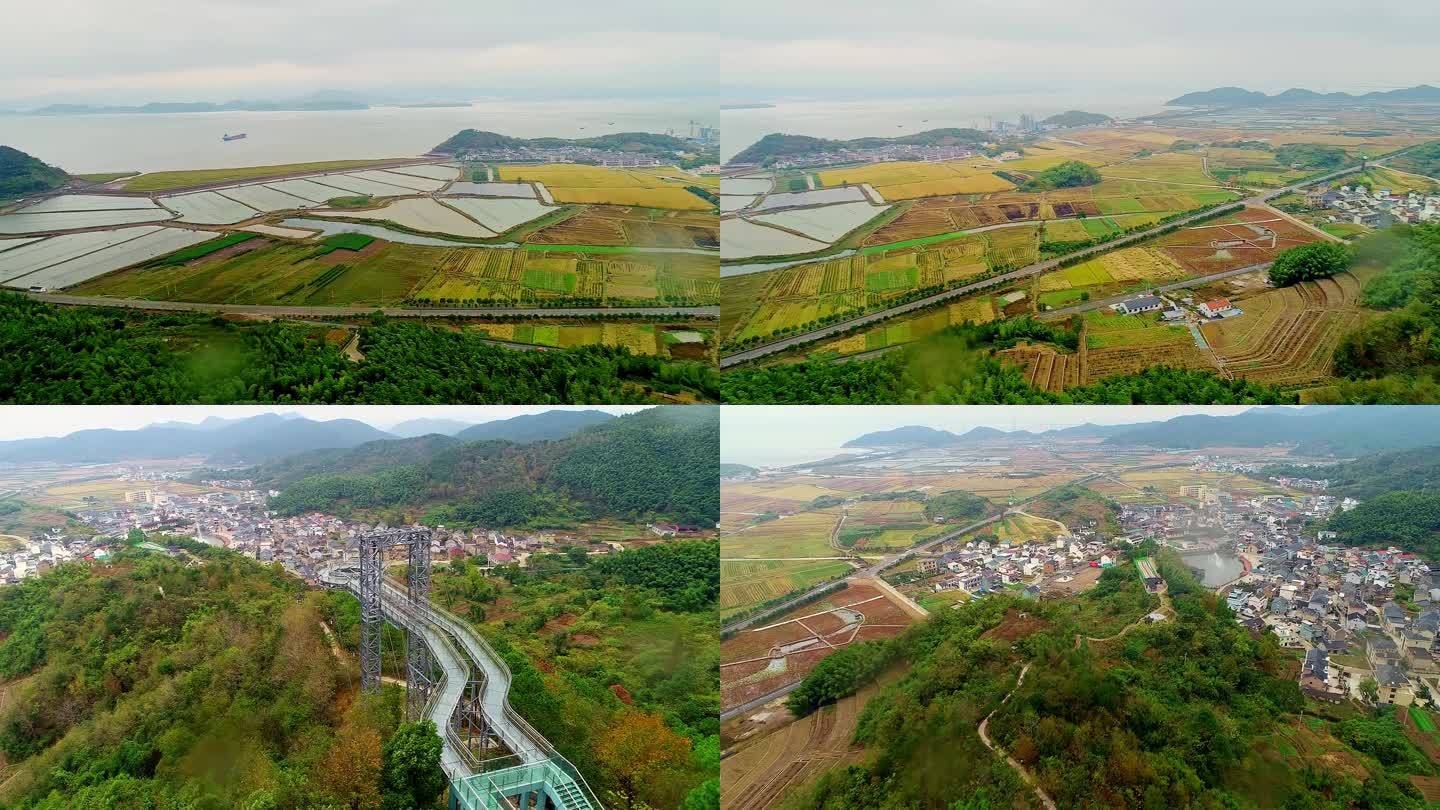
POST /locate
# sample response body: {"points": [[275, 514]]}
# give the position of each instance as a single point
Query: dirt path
{"points": [[1011, 761], [1164, 608]]}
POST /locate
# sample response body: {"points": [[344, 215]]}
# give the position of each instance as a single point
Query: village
{"points": [[233, 515], [1366, 621], [1372, 207]]}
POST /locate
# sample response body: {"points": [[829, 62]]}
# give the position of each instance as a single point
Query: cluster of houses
{"points": [[1373, 208], [980, 567], [1358, 614], [45, 550], [878, 154], [238, 519]]}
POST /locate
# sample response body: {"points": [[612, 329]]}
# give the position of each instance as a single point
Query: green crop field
{"points": [[901, 278], [1086, 274], [555, 280], [204, 249], [344, 241]]}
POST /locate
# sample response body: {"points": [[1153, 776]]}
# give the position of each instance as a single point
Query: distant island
{"points": [[758, 106], [171, 107], [1077, 118], [779, 144], [1239, 96], [22, 175]]}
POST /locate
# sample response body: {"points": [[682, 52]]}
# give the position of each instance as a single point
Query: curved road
{"points": [[394, 312], [1259, 200]]}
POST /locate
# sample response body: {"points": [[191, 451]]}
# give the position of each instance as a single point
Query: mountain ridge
{"points": [[1231, 96]]}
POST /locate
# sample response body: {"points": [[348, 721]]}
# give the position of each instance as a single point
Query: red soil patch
{"points": [[1015, 625]]}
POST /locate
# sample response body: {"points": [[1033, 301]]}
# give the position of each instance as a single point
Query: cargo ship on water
{"points": [[229, 137]]}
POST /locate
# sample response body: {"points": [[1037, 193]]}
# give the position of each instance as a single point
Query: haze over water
{"points": [[161, 142], [887, 117]]}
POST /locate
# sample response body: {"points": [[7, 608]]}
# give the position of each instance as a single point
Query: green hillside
{"points": [[204, 682], [658, 463], [21, 175], [1193, 711], [608, 653], [58, 355]]}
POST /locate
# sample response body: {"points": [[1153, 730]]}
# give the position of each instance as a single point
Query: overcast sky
{"points": [[146, 50], [29, 421], [778, 434], [1095, 49]]}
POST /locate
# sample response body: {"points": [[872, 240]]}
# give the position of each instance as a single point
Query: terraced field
{"points": [[1288, 336]]}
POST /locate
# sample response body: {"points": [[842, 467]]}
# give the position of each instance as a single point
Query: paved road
{"points": [[1259, 200], [397, 312]]}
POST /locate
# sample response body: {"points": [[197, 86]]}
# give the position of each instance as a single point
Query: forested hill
{"points": [[21, 174], [660, 463], [1189, 712], [531, 427], [1368, 476], [1407, 519], [778, 144], [1316, 430], [641, 142], [206, 683], [249, 441], [1077, 118]]}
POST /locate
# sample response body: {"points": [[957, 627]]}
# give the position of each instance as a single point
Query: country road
{"points": [[1260, 200], [394, 312]]}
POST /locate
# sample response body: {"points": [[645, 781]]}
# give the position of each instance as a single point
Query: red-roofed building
{"points": [[1214, 308]]}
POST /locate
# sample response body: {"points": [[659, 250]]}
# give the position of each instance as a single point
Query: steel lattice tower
{"points": [[373, 544]]}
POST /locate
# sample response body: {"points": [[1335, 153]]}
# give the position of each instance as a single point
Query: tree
{"points": [[1309, 262], [412, 777], [351, 770], [637, 748], [135, 537], [1370, 689], [706, 796]]}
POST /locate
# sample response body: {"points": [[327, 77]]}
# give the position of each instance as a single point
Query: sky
{"points": [[779, 434], [105, 51], [1096, 49], [27, 421]]}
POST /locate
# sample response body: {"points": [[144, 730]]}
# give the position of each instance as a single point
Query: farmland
{"points": [[775, 301], [905, 181], [785, 761], [759, 660], [283, 272], [597, 185]]}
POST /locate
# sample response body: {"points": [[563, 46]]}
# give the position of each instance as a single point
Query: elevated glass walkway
{"points": [[546, 785]]}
